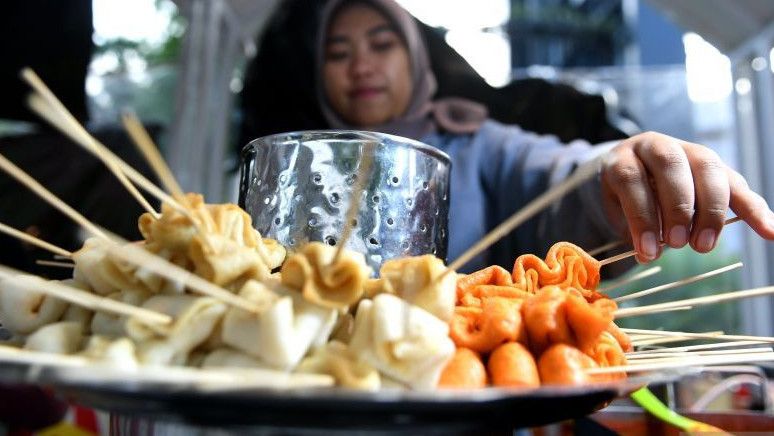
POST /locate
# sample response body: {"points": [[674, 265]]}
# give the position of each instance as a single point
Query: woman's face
{"points": [[366, 68]]}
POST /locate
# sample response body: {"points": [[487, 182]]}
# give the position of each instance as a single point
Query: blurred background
{"points": [[206, 76]]}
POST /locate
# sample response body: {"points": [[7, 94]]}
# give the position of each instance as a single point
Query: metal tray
{"points": [[134, 394]]}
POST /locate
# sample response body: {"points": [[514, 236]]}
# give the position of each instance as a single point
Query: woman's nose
{"points": [[362, 63]]}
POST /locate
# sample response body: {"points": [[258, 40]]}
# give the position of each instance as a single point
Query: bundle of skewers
{"points": [[203, 296]]}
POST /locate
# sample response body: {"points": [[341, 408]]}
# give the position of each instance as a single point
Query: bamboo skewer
{"points": [[158, 265], [702, 335], [55, 263], [689, 361], [647, 356], [668, 309], [20, 355], [639, 276], [671, 339], [38, 103], [695, 347], [46, 195], [756, 292], [80, 297], [581, 175], [76, 132], [363, 177], [631, 253], [146, 146], [607, 247], [685, 281], [26, 237]]}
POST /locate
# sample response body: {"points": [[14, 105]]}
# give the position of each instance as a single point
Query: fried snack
{"points": [[465, 370], [281, 335], [416, 280], [23, 311], [194, 319], [588, 320], [402, 341], [483, 329], [106, 275], [562, 364], [108, 324], [607, 352], [545, 319], [222, 261], [494, 278], [59, 337], [566, 265], [118, 353], [230, 358], [512, 365], [623, 339], [338, 361], [330, 285]]}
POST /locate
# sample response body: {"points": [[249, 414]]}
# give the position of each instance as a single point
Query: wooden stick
{"points": [[580, 176], [639, 276], [26, 237], [46, 195], [80, 297], [646, 356], [39, 105], [685, 281], [363, 176], [631, 253], [607, 247], [146, 146], [670, 339], [76, 132], [669, 309], [711, 299], [689, 361], [708, 335], [30, 357], [695, 347], [158, 265], [54, 263]]}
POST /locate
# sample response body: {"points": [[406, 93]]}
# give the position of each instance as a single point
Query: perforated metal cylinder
{"points": [[297, 188]]}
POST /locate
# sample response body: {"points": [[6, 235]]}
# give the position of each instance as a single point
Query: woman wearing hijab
{"points": [[374, 74]]}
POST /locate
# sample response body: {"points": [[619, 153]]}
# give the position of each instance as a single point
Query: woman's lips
{"points": [[366, 92]]}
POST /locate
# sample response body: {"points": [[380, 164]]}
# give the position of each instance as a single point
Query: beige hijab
{"points": [[423, 115]]}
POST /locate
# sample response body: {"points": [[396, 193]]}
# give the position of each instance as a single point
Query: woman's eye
{"points": [[334, 56], [381, 46]]}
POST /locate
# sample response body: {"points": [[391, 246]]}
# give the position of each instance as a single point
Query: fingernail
{"points": [[771, 220], [706, 240], [678, 236], [648, 245]]}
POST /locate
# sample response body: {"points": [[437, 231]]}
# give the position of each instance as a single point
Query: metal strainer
{"points": [[297, 188]]}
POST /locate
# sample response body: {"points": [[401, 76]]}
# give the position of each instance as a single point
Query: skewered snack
{"points": [[421, 280], [465, 370], [566, 265], [563, 364], [512, 365], [338, 360], [23, 312], [59, 337], [321, 281], [482, 329]]}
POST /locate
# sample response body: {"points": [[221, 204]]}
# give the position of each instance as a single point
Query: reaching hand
{"points": [[677, 192]]}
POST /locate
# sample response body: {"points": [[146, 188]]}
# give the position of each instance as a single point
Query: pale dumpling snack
{"points": [[418, 280], [118, 353], [108, 324], [221, 260], [401, 340], [194, 319], [311, 272], [336, 360], [282, 334], [230, 358], [23, 311], [59, 337]]}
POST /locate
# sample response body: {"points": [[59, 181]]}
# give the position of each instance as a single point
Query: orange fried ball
{"points": [[512, 365], [465, 370]]}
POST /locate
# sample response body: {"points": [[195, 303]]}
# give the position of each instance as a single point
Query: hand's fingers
{"points": [[627, 178], [710, 180], [664, 158], [750, 207]]}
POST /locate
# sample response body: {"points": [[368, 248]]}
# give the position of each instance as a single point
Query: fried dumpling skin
{"points": [[23, 311], [562, 364], [338, 361], [566, 265], [483, 329], [421, 280], [335, 286], [465, 370], [512, 365], [58, 337]]}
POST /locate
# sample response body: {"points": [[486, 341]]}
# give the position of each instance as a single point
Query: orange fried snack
{"points": [[512, 365], [607, 352], [623, 339], [588, 320], [545, 319], [566, 265], [492, 278], [563, 364], [465, 370], [482, 329]]}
